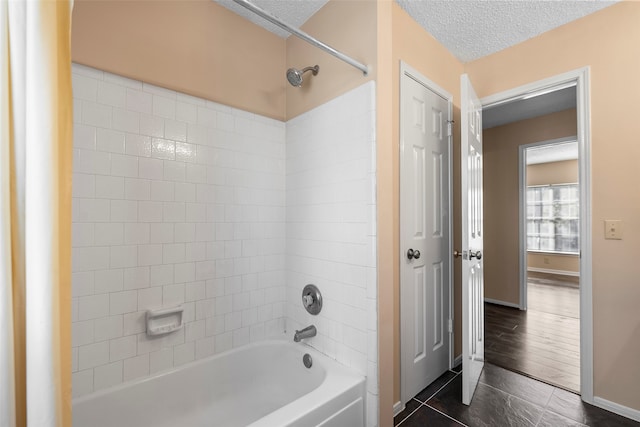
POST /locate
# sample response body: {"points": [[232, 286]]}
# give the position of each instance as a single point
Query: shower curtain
{"points": [[35, 213]]}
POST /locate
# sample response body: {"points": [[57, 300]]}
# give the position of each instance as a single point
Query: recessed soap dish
{"points": [[164, 320]]}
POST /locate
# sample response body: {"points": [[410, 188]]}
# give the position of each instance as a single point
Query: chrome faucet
{"points": [[308, 332]]}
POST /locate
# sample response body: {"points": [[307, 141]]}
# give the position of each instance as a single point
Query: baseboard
{"points": [[616, 408], [506, 304], [457, 361], [558, 272], [397, 408]]}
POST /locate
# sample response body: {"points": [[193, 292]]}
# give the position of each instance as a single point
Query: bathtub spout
{"points": [[308, 332]]}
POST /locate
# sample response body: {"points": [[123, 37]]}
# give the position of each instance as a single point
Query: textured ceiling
{"points": [[293, 12], [515, 111], [470, 29]]}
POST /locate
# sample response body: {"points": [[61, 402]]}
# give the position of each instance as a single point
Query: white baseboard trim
{"points": [[625, 411], [558, 272], [397, 408], [495, 301]]}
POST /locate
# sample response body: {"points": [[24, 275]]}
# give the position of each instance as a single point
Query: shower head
{"points": [[295, 76]]}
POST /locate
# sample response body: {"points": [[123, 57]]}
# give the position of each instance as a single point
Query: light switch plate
{"points": [[613, 229]]}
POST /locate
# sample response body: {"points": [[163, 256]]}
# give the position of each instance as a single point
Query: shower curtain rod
{"points": [[301, 34]]}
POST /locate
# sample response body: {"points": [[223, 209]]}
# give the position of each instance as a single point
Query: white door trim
{"points": [[522, 216], [407, 70], [583, 105]]}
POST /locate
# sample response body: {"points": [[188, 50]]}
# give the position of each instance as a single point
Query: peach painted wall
{"points": [[607, 41], [563, 172], [196, 47], [501, 189], [346, 25], [416, 47]]}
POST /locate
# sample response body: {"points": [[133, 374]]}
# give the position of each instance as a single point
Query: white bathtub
{"points": [[264, 384]]}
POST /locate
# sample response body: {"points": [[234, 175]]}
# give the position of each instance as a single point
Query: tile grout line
{"points": [[440, 389], [412, 412], [448, 416]]}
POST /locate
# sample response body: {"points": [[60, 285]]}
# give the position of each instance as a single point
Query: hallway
{"points": [[503, 398]]}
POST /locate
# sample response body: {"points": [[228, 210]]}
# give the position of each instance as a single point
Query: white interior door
{"points": [[472, 235], [425, 235]]}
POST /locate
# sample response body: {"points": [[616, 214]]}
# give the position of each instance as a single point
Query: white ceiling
{"points": [[552, 153], [470, 29]]}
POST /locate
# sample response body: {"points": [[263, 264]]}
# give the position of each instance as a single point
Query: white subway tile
{"points": [[196, 173], [184, 353], [195, 291], [106, 376], [136, 367], [137, 100], [74, 359], [111, 94], [151, 126], [134, 323], [196, 134], [122, 81], [108, 281], [123, 302], [149, 211], [84, 87], [126, 121], [163, 191], [186, 112], [161, 91], [109, 187], [150, 298], [83, 283], [173, 211], [136, 278], [92, 162], [161, 232], [150, 168], [108, 234], [175, 130], [205, 347], [93, 355], [137, 145], [96, 115], [82, 383], [241, 337], [164, 107], [172, 294], [89, 258], [195, 252], [161, 274], [163, 149], [110, 140], [122, 348], [185, 273], [196, 212], [206, 117], [185, 152], [150, 255], [82, 333], [185, 232], [84, 136], [174, 171], [82, 234], [224, 342], [137, 189], [106, 328], [124, 256], [123, 165], [185, 192], [83, 185], [160, 360], [136, 233]]}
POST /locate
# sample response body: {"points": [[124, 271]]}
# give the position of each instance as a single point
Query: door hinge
{"points": [[449, 128], [450, 326]]}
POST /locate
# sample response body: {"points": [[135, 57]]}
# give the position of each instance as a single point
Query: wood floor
{"points": [[542, 342]]}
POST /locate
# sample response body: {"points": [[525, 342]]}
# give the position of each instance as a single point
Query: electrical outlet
{"points": [[613, 229]]}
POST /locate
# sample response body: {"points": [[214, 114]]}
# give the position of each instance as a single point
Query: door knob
{"points": [[457, 254], [413, 254], [476, 254]]}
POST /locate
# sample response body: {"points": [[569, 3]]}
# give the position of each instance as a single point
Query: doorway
{"points": [[517, 299], [425, 232]]}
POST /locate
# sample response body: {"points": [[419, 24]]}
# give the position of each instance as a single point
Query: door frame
{"points": [[522, 215], [581, 77], [406, 71]]}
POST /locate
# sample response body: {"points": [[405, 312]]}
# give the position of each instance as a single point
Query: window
{"points": [[553, 218]]}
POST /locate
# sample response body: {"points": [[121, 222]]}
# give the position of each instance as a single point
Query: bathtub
{"points": [[264, 384]]}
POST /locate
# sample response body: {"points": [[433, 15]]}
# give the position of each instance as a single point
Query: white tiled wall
{"points": [[176, 200], [331, 230]]}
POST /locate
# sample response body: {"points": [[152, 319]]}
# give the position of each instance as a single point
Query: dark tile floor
{"points": [[503, 398]]}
